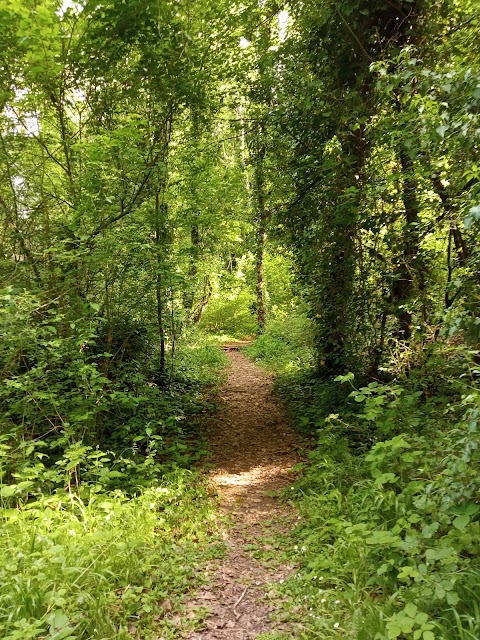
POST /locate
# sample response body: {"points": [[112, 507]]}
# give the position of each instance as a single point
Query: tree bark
{"points": [[159, 207], [461, 248], [189, 296], [207, 294], [261, 233], [404, 284]]}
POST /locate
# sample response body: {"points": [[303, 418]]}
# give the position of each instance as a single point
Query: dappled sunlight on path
{"points": [[254, 454]]}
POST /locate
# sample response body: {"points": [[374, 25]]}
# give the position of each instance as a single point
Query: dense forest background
{"points": [[174, 173]]}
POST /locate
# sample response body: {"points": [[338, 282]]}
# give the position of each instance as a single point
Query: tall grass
{"points": [[108, 567]]}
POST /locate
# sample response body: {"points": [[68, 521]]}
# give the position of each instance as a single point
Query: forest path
{"points": [[254, 452]]}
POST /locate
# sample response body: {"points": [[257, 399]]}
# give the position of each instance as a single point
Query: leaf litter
{"points": [[254, 453]]}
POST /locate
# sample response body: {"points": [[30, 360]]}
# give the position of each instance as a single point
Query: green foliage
{"points": [[150, 166], [102, 565], [233, 306], [286, 346], [98, 541], [51, 382], [387, 540], [200, 360], [383, 163], [63, 397], [231, 314]]}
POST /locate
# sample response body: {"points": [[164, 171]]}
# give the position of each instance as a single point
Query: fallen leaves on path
{"points": [[254, 453]]}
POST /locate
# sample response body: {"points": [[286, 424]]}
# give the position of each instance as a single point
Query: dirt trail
{"points": [[254, 452]]}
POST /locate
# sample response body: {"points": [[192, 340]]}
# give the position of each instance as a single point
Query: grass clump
{"points": [[201, 361], [110, 566], [231, 312]]}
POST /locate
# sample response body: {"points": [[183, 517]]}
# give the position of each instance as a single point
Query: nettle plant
{"points": [[422, 503], [388, 408]]}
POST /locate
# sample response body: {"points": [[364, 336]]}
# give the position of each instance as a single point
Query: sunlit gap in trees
{"points": [[69, 4], [282, 24], [282, 21]]}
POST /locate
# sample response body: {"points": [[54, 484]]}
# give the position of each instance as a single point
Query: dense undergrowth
{"points": [[105, 523], [388, 541], [106, 566], [174, 165]]}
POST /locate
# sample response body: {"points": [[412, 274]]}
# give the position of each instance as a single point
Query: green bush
{"points": [[62, 397], [389, 508], [389, 540], [102, 532], [232, 314], [200, 360], [286, 346]]}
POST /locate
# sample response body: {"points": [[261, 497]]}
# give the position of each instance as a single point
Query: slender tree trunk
{"points": [[261, 234], [258, 148], [160, 239], [404, 286], [462, 251], [109, 326], [448, 300], [260, 281], [207, 294], [159, 282], [189, 296], [461, 248], [172, 331], [381, 345]]}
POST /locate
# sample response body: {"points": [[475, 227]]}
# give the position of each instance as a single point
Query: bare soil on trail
{"points": [[254, 453]]}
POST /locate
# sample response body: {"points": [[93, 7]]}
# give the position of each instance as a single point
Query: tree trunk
{"points": [[189, 296], [159, 284], [337, 261], [461, 248], [207, 294], [261, 233], [404, 285]]}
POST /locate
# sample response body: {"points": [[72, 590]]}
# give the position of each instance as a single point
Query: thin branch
{"points": [[125, 211], [476, 16], [42, 143], [364, 51]]}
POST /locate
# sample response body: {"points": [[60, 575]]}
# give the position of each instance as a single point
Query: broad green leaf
{"points": [[7, 491], [460, 522], [441, 130], [430, 529], [453, 598]]}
